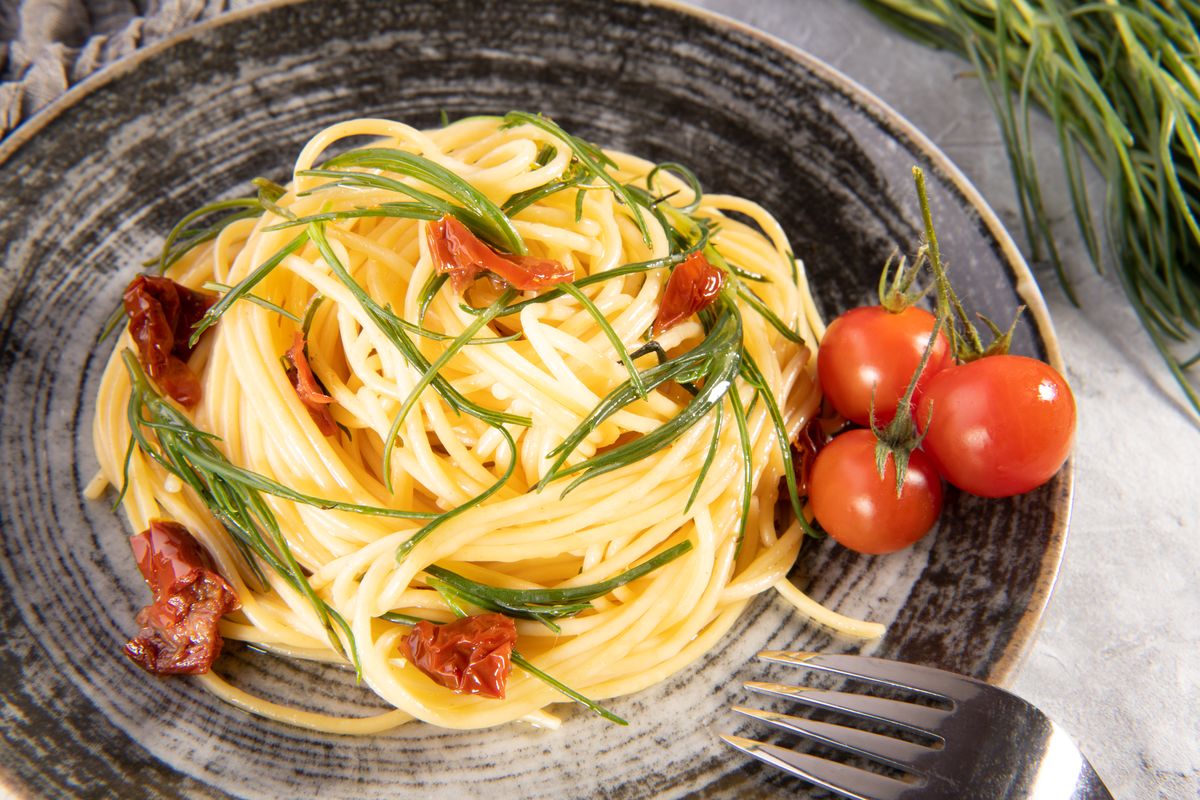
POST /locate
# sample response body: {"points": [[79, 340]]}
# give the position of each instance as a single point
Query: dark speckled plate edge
{"points": [[1007, 663]]}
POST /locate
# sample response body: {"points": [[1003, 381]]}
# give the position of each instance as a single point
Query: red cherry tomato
{"points": [[872, 349], [861, 510], [999, 426]]}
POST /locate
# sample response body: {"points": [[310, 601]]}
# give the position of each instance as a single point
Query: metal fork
{"points": [[986, 744]]}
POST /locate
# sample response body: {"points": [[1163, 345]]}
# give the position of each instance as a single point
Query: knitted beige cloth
{"points": [[46, 46]]}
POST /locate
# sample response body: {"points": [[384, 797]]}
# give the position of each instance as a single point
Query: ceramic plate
{"points": [[88, 189]]}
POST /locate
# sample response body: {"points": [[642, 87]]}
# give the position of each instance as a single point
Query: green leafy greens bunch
{"points": [[1121, 82]]}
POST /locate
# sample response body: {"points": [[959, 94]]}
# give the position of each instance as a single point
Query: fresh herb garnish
{"points": [[523, 200], [751, 299], [709, 455], [755, 378], [426, 333], [243, 288], [743, 428], [431, 373], [476, 212], [544, 604], [389, 324], [1120, 81], [588, 280], [717, 358], [407, 546], [688, 177], [183, 239], [635, 378], [392, 210], [591, 158], [525, 664], [432, 285], [262, 302]]}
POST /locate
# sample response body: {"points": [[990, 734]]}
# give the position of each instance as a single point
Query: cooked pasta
{"points": [[492, 381]]}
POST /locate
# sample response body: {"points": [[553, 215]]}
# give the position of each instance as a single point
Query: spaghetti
{"points": [[492, 448]]}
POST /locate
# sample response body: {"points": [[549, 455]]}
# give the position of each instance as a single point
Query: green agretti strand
{"points": [[1121, 82], [545, 604]]}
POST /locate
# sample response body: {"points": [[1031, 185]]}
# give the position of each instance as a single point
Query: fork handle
{"points": [[1088, 785]]}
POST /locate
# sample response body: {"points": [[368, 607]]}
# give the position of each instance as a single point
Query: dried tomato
{"points": [[692, 287], [179, 629], [161, 316], [309, 389], [472, 655], [808, 442], [462, 255]]}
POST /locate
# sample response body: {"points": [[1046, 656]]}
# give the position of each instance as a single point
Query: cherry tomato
{"points": [[861, 510], [999, 426], [872, 349]]}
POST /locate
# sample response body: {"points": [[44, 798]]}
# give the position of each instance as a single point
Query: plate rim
{"points": [[1006, 665]]}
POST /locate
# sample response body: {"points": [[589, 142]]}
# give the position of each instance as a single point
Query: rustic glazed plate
{"points": [[88, 189]]}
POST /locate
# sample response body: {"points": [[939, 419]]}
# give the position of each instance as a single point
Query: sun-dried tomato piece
{"points": [[693, 285], [808, 442], [462, 255], [472, 655], [308, 387], [161, 316], [179, 629]]}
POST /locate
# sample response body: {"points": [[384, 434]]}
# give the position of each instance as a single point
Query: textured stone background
{"points": [[1118, 660]]}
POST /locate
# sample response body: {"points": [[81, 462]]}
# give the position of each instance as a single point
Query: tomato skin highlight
{"points": [[999, 426], [872, 349], [861, 510]]}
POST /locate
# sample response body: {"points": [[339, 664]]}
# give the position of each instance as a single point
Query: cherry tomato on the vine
{"points": [[861, 510], [871, 349], [999, 426]]}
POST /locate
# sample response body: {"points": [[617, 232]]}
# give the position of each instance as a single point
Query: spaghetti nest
{"points": [[485, 438]]}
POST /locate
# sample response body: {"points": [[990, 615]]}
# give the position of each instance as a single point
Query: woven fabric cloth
{"points": [[46, 46]]}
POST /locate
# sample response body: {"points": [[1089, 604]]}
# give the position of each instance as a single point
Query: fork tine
{"points": [[928, 681], [919, 719], [844, 779], [896, 752]]}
